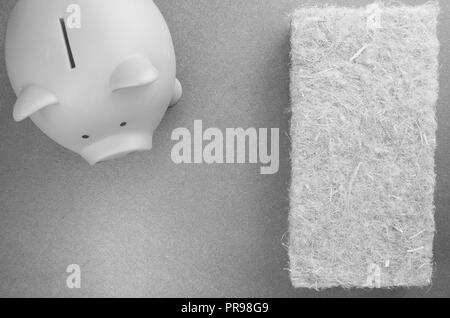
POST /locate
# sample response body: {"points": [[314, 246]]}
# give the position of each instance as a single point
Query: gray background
{"points": [[143, 226]]}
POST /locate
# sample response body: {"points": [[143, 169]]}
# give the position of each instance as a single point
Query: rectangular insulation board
{"points": [[364, 87]]}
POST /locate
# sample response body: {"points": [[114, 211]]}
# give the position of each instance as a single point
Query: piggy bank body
{"points": [[96, 76]]}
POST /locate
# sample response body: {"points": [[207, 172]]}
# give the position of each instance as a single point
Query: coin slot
{"points": [[67, 43]]}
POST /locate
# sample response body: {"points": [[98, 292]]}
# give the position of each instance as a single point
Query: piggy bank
{"points": [[96, 76]]}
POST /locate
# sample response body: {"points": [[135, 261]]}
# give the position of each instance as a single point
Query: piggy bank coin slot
{"points": [[67, 43]]}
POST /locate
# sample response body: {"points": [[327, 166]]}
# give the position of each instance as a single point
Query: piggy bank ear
{"points": [[31, 100], [133, 72]]}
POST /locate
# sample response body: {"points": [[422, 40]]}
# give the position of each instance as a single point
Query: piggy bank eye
{"points": [[123, 124]]}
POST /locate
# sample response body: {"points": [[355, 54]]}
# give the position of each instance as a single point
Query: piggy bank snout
{"points": [[115, 147]]}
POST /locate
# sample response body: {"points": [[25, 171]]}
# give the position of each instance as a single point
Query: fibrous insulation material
{"points": [[364, 87]]}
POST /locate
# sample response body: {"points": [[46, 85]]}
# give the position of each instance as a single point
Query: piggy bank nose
{"points": [[115, 147]]}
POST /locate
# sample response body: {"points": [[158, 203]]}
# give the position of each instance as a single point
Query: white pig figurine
{"points": [[96, 76]]}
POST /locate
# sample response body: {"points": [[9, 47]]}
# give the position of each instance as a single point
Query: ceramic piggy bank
{"points": [[96, 76]]}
